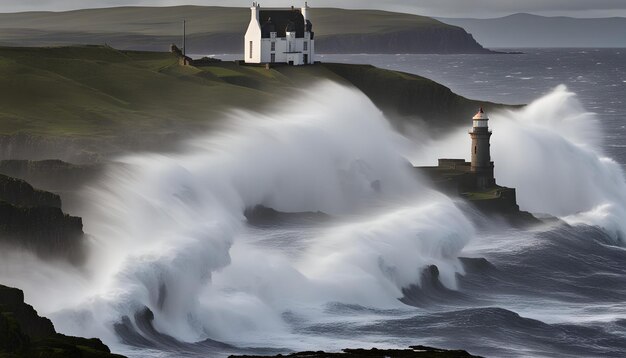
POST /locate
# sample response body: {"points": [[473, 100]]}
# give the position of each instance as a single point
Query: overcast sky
{"points": [[451, 8]]}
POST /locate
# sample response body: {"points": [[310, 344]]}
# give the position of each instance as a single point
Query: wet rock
{"points": [[23, 333], [32, 219]]}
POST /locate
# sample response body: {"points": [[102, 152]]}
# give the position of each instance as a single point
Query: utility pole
{"points": [[184, 37]]}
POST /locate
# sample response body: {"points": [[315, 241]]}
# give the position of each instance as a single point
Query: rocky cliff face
{"points": [[23, 333], [27, 146], [494, 202], [20, 193], [51, 175], [447, 40], [32, 219], [404, 97]]}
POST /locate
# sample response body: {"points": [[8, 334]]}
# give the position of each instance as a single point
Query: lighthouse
{"points": [[481, 164], [474, 180]]}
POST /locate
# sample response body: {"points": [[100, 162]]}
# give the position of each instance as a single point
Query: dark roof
{"points": [[267, 27], [281, 19]]}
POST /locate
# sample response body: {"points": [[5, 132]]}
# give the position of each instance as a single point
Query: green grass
{"points": [[96, 91], [124, 99]]}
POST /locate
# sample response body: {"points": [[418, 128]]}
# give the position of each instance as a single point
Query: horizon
{"points": [[430, 8]]}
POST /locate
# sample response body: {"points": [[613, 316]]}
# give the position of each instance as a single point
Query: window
{"points": [[251, 49], [475, 151], [273, 46], [273, 58], [306, 46]]}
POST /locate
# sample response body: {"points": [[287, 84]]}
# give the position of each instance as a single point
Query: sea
{"points": [[303, 228], [597, 76]]}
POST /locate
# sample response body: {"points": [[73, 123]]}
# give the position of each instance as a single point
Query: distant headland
{"points": [[214, 30]]}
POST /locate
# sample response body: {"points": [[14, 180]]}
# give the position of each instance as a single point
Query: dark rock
{"points": [[452, 177], [414, 351], [262, 216], [32, 219], [12, 302], [29, 146], [20, 193], [430, 291], [51, 175], [23, 333]]}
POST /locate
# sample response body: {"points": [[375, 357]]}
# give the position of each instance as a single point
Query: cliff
{"points": [[494, 201], [221, 29], [32, 219], [97, 102], [23, 333], [408, 96], [437, 40], [531, 31], [19, 193], [56, 176]]}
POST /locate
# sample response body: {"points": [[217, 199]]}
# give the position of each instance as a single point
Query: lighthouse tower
{"points": [[482, 166]]}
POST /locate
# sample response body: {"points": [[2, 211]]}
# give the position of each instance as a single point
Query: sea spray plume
{"points": [[550, 151], [166, 224]]}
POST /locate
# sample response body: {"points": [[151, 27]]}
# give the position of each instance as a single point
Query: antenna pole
{"points": [[184, 37]]}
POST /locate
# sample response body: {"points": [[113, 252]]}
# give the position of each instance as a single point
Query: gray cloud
{"points": [[452, 8]]}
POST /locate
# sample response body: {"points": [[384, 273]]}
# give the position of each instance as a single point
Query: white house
{"points": [[280, 36]]}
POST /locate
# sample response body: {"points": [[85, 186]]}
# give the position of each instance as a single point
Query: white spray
{"points": [[176, 221], [170, 232], [550, 152]]}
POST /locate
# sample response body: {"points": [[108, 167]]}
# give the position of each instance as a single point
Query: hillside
{"points": [[81, 104], [525, 30], [220, 30]]}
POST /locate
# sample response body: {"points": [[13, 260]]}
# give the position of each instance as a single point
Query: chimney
{"points": [[255, 11], [304, 12]]}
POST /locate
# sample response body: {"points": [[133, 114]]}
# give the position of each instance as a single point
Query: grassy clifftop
{"points": [[214, 29], [79, 102]]}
